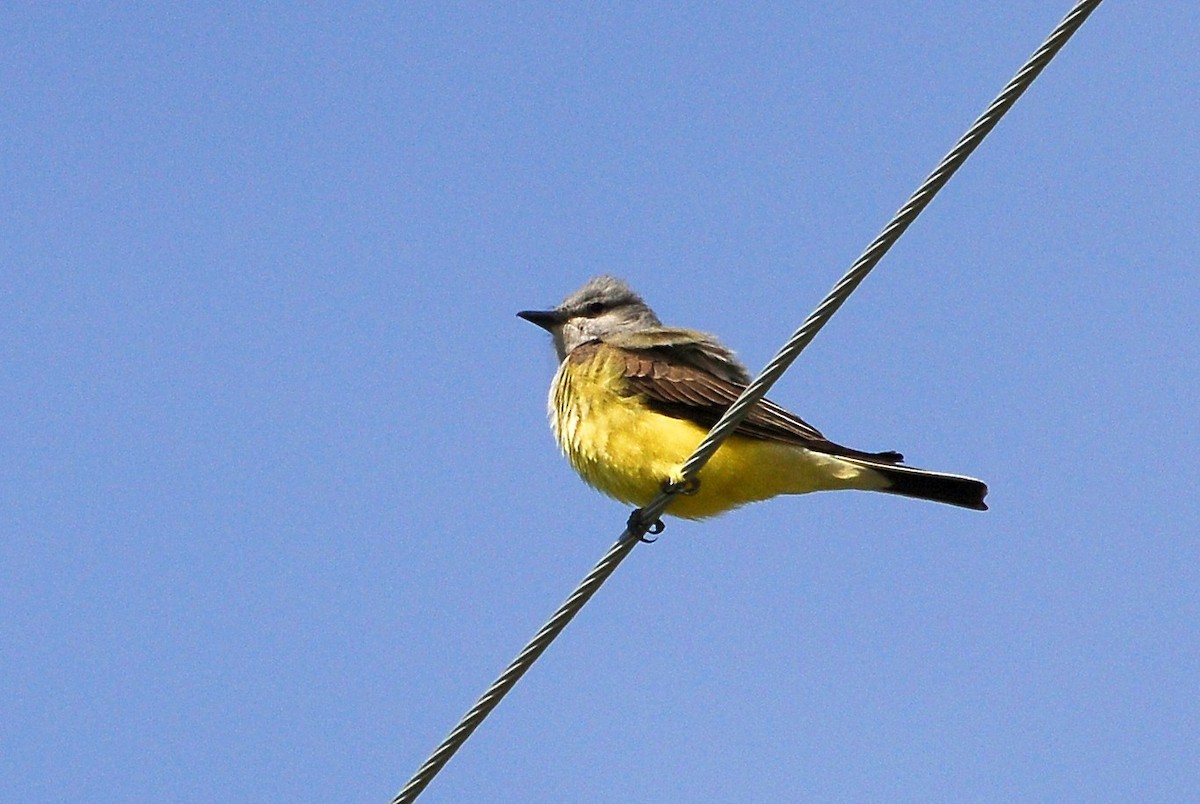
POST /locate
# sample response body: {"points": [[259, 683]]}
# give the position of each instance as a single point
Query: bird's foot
{"points": [[638, 525]]}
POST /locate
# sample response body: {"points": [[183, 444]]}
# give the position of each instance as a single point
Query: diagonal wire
{"points": [[643, 520], [525, 659], [916, 204]]}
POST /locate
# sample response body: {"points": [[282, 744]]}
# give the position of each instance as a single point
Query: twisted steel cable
{"points": [[644, 520], [915, 205]]}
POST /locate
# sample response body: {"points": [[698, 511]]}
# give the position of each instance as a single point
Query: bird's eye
{"points": [[595, 308]]}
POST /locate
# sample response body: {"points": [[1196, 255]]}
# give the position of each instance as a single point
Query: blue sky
{"points": [[278, 495]]}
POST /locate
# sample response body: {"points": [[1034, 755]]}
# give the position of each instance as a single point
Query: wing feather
{"points": [[685, 391]]}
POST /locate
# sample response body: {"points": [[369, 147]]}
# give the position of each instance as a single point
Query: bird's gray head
{"points": [[602, 308]]}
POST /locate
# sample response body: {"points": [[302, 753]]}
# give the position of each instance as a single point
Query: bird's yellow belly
{"points": [[621, 446]]}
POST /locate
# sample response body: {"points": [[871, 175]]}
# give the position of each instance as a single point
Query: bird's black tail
{"points": [[965, 492]]}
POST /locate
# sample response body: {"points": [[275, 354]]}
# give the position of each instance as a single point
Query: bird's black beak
{"points": [[546, 319]]}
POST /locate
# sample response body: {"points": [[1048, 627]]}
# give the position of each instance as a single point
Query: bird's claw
{"points": [[637, 525]]}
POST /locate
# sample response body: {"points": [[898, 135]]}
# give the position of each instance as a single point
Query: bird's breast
{"points": [[609, 434]]}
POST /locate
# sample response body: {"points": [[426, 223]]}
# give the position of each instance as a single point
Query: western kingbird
{"points": [[632, 399]]}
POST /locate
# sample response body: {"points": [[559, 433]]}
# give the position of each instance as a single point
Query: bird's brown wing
{"points": [[675, 388]]}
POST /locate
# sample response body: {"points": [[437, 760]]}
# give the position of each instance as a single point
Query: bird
{"points": [[632, 399]]}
